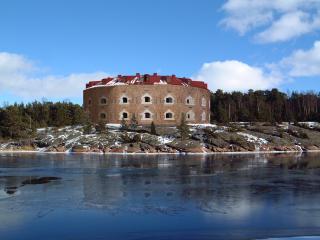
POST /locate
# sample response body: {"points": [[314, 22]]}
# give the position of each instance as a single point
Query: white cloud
{"points": [[277, 20], [303, 63], [290, 25], [18, 77], [234, 75]]}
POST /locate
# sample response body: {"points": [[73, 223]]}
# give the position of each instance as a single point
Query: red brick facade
{"points": [[161, 99]]}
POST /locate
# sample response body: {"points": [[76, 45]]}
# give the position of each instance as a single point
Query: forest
{"points": [[21, 120], [265, 106]]}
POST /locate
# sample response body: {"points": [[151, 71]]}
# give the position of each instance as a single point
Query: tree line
{"points": [[265, 106], [22, 120]]}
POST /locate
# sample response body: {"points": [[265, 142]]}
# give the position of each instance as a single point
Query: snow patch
{"points": [[203, 125], [253, 139], [165, 140]]}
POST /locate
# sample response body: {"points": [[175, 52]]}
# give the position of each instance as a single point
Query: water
{"points": [[74, 196]]}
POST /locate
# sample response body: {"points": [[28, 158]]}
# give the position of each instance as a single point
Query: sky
{"points": [[50, 49]]}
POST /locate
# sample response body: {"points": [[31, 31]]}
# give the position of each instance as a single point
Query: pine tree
{"points": [[134, 122], [153, 130], [184, 128], [87, 128], [124, 125], [101, 127]]}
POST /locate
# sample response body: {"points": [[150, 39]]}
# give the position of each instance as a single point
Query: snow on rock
{"points": [[165, 140], [310, 124], [113, 125], [203, 125], [253, 139]]}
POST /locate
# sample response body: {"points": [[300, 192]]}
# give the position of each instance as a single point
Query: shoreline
{"points": [[164, 153]]}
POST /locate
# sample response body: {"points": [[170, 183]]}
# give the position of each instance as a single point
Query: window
{"points": [[89, 102], [146, 99], [124, 99], [203, 116], [124, 115], [147, 115], [189, 100], [168, 100], [103, 101], [103, 116], [203, 102], [190, 115], [168, 115]]}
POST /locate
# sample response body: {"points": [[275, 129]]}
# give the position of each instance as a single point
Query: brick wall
{"points": [[104, 103]]}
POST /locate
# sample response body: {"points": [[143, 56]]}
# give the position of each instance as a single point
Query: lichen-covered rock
{"points": [[185, 145], [80, 149]]}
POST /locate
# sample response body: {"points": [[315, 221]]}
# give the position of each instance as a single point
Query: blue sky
{"points": [[49, 49]]}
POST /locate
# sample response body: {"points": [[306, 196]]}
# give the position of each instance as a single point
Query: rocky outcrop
{"points": [[236, 137]]}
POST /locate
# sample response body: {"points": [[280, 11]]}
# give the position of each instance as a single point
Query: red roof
{"points": [[147, 80]]}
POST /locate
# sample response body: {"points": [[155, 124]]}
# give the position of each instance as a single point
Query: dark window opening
{"points": [[103, 101], [89, 102], [124, 115], [188, 116], [169, 115], [169, 100], [103, 115], [147, 115], [147, 99], [188, 101], [125, 100]]}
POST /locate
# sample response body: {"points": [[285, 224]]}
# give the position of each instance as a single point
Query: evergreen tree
{"points": [[133, 122], [87, 128], [184, 128], [123, 124], [153, 130], [101, 127]]}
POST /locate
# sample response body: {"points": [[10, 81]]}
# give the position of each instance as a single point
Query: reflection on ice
{"points": [[8, 193], [122, 194]]}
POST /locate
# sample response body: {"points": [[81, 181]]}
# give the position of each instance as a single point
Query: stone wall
{"points": [[107, 103]]}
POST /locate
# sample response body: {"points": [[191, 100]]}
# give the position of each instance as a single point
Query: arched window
{"points": [[103, 101], [189, 101], [89, 102], [123, 115], [169, 115], [103, 116], [146, 115], [146, 99], [124, 99], [203, 116], [203, 102], [168, 99], [190, 115]]}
